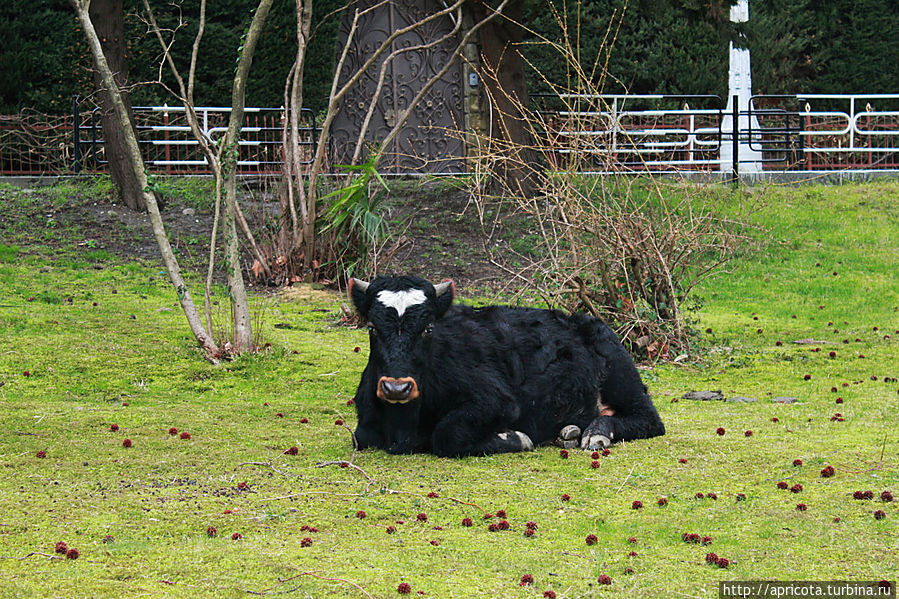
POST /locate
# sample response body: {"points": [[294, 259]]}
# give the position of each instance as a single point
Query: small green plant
{"points": [[49, 297], [98, 256], [354, 228], [97, 186], [525, 244]]}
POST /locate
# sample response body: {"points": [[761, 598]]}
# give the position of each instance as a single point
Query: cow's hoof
{"points": [[568, 436], [596, 441], [572, 431], [525, 443]]}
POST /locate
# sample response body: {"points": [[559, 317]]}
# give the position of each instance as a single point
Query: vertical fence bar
{"points": [[94, 140], [735, 116], [76, 136], [167, 137], [807, 121], [867, 127]]}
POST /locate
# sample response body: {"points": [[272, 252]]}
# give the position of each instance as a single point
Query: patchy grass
{"points": [[89, 342]]}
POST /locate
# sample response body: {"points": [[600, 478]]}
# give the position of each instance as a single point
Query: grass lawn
{"points": [[92, 342]]}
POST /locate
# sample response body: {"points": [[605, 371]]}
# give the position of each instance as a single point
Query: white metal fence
{"points": [[667, 133], [169, 147], [801, 133]]}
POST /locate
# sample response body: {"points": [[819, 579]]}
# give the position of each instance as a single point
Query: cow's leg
{"points": [[397, 442], [505, 442], [641, 421], [599, 434], [367, 436], [460, 434], [623, 406], [400, 437], [391, 428]]}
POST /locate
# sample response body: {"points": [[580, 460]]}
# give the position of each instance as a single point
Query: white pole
{"points": [[739, 85]]}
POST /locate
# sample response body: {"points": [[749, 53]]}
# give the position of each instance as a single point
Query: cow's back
{"points": [[544, 366]]}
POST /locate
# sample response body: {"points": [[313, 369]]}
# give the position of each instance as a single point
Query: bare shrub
{"points": [[628, 250]]}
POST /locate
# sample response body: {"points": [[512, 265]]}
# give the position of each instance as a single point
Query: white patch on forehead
{"points": [[402, 300]]}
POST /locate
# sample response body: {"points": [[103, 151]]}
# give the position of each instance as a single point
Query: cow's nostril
{"points": [[397, 390]]}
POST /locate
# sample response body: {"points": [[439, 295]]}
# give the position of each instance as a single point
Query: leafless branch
{"points": [[376, 94], [268, 465]]}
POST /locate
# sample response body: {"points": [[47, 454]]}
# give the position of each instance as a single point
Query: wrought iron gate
{"points": [[431, 141]]}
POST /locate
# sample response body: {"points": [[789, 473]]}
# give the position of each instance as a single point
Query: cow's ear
{"points": [[445, 292], [359, 297]]}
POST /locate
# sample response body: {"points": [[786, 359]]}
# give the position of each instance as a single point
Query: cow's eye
{"points": [[428, 330], [372, 330]]}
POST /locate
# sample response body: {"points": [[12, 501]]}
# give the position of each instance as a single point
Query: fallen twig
{"points": [[347, 464], [626, 478], [370, 480], [30, 554]]}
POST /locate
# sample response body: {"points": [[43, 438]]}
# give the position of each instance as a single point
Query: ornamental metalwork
{"points": [[431, 140]]}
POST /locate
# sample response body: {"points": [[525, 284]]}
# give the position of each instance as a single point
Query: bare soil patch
{"points": [[443, 238]]}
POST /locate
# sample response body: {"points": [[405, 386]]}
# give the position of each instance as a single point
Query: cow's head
{"points": [[401, 312]]}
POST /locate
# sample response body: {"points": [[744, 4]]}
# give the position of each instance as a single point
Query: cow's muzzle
{"points": [[401, 390]]}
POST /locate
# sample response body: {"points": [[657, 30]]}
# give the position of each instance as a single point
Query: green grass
{"points": [[139, 515], [193, 192], [8, 253]]}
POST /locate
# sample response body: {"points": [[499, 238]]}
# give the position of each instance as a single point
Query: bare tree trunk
{"points": [[505, 93], [292, 176], [241, 322], [223, 161], [240, 306], [304, 238], [204, 337], [107, 17]]}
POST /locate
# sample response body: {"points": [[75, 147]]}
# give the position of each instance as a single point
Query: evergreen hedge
{"points": [[660, 46]]}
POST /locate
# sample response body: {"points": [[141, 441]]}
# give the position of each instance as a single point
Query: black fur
{"points": [[485, 374]]}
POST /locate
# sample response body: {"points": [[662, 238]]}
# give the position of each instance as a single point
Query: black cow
{"points": [[456, 380]]}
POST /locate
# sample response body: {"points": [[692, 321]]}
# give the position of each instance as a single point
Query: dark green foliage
{"points": [[45, 60], [660, 46], [680, 46], [864, 30], [781, 37], [43, 57], [836, 46], [651, 46]]}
